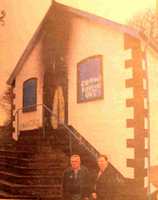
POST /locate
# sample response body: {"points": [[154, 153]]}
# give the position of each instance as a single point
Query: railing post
{"points": [[18, 124], [43, 114], [70, 144]]}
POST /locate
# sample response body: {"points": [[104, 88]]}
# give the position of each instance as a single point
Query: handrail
{"points": [[78, 137], [81, 140]]}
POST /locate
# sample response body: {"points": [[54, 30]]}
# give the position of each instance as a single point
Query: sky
{"points": [[24, 16], [117, 10]]}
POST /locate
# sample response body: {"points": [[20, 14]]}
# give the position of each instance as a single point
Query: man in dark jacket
{"points": [[76, 184], [106, 181]]}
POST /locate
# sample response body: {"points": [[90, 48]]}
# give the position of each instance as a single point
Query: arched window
{"points": [[30, 95], [90, 79]]}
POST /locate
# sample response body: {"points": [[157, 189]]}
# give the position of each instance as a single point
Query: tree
{"points": [[3, 14], [147, 24], [5, 102], [5, 99]]}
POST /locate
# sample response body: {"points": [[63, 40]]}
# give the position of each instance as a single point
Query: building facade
{"points": [[93, 74]]}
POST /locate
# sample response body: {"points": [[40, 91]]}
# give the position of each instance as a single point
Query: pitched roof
{"points": [[97, 19]]}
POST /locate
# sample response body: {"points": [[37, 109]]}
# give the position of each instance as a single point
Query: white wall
{"points": [[102, 122], [153, 98], [31, 68]]}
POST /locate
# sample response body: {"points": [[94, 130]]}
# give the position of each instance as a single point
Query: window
{"points": [[90, 79], [29, 95]]}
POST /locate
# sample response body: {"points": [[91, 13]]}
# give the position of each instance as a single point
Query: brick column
{"points": [[139, 121]]}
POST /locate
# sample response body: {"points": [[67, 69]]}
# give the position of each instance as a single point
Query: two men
{"points": [[77, 184], [105, 183]]}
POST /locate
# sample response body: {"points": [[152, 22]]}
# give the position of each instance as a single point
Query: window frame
{"points": [[30, 108], [79, 100]]}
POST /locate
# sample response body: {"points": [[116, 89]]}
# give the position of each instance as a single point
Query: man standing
{"points": [[107, 181], [76, 184]]}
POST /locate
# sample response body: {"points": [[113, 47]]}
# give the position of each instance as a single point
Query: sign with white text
{"points": [[90, 79]]}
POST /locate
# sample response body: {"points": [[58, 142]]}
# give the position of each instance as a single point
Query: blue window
{"points": [[90, 79], [29, 95]]}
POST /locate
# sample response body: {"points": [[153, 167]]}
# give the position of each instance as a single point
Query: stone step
{"points": [[45, 166], [34, 148], [6, 195], [32, 163], [32, 143], [56, 155], [34, 166], [35, 139], [24, 171], [8, 146], [35, 145], [51, 173], [21, 189], [48, 135], [20, 154], [30, 180]]}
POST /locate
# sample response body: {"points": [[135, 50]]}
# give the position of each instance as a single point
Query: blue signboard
{"points": [[90, 80]]}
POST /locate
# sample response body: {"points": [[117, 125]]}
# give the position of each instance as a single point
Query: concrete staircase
{"points": [[31, 169]]}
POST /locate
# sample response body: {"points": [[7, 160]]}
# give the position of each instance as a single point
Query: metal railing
{"points": [[69, 129]]}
